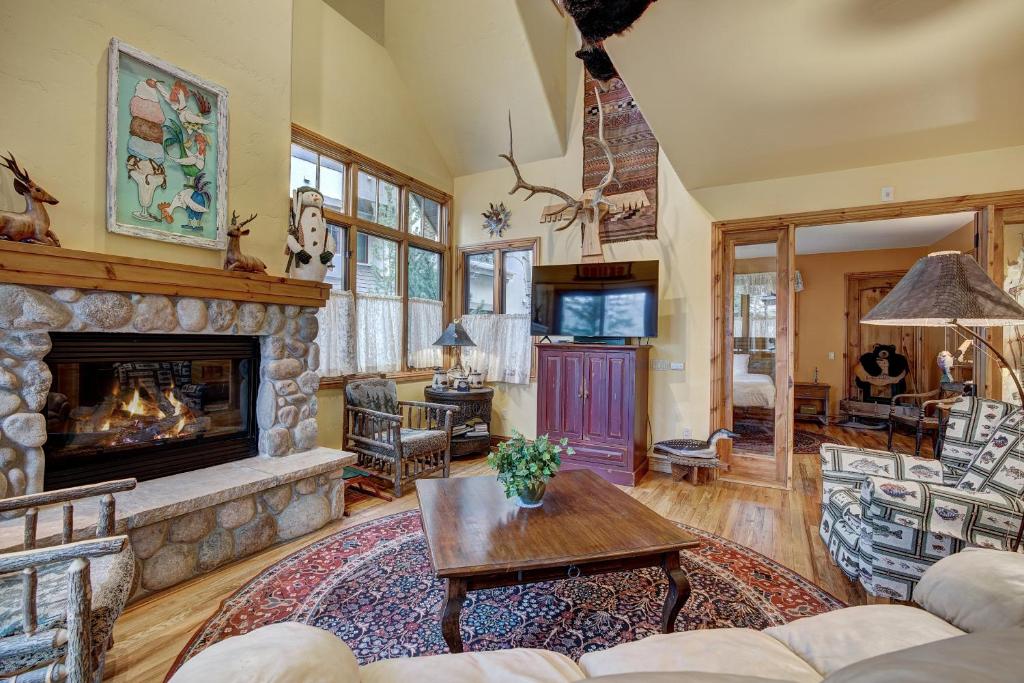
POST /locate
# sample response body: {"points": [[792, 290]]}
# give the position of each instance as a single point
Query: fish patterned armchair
{"points": [[887, 517], [400, 441]]}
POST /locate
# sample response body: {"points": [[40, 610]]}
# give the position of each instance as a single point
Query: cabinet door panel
{"points": [[549, 393], [608, 392], [571, 396]]}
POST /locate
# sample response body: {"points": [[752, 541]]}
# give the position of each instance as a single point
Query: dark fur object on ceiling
{"points": [[596, 20]]}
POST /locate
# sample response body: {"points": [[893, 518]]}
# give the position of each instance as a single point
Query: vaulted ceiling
{"points": [[739, 91], [735, 90]]}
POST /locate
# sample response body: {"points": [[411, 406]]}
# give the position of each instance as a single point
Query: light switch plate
{"points": [[660, 365]]}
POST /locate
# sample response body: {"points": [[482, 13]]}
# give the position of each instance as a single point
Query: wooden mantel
{"points": [[33, 264]]}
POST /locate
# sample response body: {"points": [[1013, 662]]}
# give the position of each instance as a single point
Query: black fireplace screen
{"points": [[147, 405]]}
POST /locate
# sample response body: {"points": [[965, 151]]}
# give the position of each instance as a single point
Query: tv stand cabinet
{"points": [[596, 397]]}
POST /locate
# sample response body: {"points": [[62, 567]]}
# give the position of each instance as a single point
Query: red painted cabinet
{"points": [[596, 396]]}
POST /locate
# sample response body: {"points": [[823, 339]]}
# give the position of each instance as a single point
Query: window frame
{"points": [[498, 248], [347, 218]]}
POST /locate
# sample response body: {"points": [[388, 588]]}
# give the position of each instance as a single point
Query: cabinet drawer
{"points": [[598, 454]]}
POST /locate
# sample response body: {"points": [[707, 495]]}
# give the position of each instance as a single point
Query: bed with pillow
{"points": [[750, 389]]}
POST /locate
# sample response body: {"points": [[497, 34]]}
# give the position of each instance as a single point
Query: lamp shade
{"points": [[944, 287], [454, 335]]}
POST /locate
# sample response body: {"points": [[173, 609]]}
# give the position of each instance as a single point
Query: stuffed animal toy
{"points": [[881, 374]]}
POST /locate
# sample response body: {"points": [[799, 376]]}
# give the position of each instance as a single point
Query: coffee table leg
{"points": [[678, 591], [451, 608]]}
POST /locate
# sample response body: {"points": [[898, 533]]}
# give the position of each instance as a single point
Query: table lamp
{"points": [[455, 336], [949, 289]]}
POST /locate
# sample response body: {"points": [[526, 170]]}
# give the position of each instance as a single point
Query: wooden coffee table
{"points": [[479, 539]]}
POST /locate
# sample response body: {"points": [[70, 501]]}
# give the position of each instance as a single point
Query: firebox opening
{"points": [[146, 406]]}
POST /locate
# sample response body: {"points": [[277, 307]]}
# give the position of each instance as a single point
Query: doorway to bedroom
{"points": [[789, 292]]}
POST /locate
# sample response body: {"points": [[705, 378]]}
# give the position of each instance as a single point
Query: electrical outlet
{"points": [[888, 193], [678, 365], [687, 433], [831, 355]]}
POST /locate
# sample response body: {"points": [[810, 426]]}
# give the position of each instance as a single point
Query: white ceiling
{"points": [[896, 233], [738, 90]]}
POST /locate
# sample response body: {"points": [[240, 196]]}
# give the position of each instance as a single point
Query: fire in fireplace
{"points": [[147, 405]]}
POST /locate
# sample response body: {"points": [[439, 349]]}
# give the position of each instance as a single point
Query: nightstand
{"points": [[811, 402], [472, 403]]}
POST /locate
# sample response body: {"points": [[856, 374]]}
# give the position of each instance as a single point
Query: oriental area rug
{"points": [[372, 585], [758, 437]]}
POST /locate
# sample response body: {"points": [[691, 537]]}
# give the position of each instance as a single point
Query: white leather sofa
{"points": [[971, 628]]}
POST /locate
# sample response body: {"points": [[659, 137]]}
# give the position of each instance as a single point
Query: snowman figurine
{"points": [[310, 245]]}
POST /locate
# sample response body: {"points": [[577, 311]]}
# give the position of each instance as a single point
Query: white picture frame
{"points": [[159, 182]]}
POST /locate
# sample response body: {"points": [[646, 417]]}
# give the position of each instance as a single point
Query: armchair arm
{"points": [[373, 428], [986, 519], [926, 394], [429, 415], [862, 463], [30, 502]]}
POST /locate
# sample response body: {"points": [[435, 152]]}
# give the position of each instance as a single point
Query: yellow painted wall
{"points": [[345, 86], [53, 76], [677, 399], [988, 171]]}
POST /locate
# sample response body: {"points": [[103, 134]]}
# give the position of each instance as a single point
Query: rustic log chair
{"points": [[400, 441], [57, 616], [932, 411]]}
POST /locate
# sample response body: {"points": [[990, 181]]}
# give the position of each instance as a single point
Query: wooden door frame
{"points": [[777, 470], [995, 209]]}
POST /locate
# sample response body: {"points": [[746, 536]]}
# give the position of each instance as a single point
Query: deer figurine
{"points": [[234, 259], [32, 224], [589, 209]]}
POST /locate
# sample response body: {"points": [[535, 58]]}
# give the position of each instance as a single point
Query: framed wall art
{"points": [[167, 142]]}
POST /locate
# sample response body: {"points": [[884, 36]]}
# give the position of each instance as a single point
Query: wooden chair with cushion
{"points": [[400, 441], [58, 604], [926, 412]]}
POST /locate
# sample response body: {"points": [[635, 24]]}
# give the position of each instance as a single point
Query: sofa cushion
{"points": [[683, 677], [740, 651], [520, 665], [832, 640], [975, 589], [278, 653], [993, 657], [999, 465], [415, 442]]}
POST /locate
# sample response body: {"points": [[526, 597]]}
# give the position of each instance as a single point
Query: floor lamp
{"points": [[950, 289]]}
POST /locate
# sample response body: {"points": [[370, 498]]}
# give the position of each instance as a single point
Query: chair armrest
{"points": [[926, 394], [376, 414], [428, 404], [988, 519], [866, 462]]}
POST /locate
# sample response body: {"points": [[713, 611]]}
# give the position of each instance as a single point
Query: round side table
{"points": [[472, 403]]}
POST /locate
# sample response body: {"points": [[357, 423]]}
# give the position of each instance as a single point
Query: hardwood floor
{"points": [[780, 524]]}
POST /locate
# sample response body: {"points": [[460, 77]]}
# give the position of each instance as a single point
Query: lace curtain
{"points": [[378, 333], [760, 288], [337, 343], [425, 326], [761, 284], [503, 351]]}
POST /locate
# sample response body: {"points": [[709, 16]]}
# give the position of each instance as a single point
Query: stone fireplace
{"points": [[199, 383]]}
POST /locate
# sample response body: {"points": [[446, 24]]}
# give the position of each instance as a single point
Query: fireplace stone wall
{"points": [[286, 405]]}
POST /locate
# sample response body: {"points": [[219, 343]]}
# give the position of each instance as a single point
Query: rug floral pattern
{"points": [[373, 587]]}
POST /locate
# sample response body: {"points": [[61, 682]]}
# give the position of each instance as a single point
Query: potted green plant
{"points": [[525, 466]]}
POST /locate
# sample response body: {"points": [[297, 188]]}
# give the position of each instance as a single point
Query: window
{"points": [[426, 311], [337, 275], [424, 217], [322, 172], [496, 281], [378, 201], [378, 274], [510, 264], [389, 300]]}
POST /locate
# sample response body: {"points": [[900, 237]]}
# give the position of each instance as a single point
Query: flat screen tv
{"points": [[596, 300]]}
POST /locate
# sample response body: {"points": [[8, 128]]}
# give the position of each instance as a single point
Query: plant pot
{"points": [[532, 496]]}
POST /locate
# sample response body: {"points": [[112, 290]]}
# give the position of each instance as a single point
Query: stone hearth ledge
{"points": [[160, 499], [185, 525]]}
